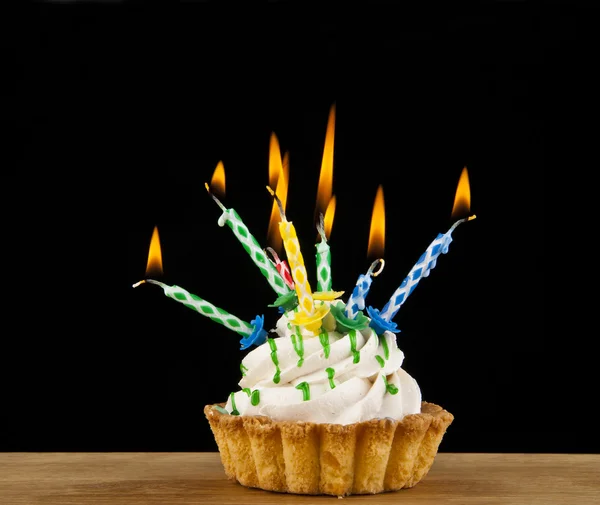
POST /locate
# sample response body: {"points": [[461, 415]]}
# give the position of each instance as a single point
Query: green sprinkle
{"points": [[255, 398], [305, 390], [298, 344], [247, 391], [324, 338], [273, 346], [330, 374], [220, 409], [386, 350], [277, 376], [356, 353], [243, 369], [234, 412], [380, 360], [391, 389]]}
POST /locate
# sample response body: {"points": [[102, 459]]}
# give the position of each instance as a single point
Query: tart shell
{"points": [[298, 457]]}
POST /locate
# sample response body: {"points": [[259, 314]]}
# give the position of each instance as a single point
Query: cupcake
{"points": [[329, 412], [323, 405]]}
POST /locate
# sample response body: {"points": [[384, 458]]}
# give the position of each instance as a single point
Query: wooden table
{"points": [[198, 478]]}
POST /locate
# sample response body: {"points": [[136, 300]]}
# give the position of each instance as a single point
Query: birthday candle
{"points": [[282, 268], [323, 260], [356, 302], [250, 244], [296, 261], [421, 269], [215, 313]]}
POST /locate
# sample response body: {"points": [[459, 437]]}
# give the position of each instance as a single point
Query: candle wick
{"points": [[274, 254], [138, 283], [274, 195], [321, 228], [161, 284], [223, 208], [464, 220], [379, 262]]}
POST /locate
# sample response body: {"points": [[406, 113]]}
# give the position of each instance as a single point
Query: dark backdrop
{"points": [[119, 101]]}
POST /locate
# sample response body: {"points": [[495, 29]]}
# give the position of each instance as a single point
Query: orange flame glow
{"points": [[279, 173], [328, 217], [377, 232], [217, 183], [154, 265], [462, 199], [324, 190], [275, 164]]}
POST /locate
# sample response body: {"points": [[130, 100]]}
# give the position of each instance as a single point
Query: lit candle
{"points": [[381, 321], [323, 255], [323, 260], [253, 332], [356, 302], [307, 316], [240, 230], [376, 246], [421, 269]]}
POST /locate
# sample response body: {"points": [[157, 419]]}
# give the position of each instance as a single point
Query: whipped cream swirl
{"points": [[330, 378]]}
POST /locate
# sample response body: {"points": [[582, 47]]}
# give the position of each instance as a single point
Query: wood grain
{"points": [[198, 478]]}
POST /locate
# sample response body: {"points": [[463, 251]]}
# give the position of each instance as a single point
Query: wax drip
{"points": [[305, 388], [390, 388], [298, 344], [234, 412], [384, 344], [330, 374], [324, 339], [273, 346], [352, 336]]}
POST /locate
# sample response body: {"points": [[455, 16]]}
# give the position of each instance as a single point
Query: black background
{"points": [[124, 113]]}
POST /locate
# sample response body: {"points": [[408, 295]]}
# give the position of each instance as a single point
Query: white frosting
{"points": [[362, 391]]}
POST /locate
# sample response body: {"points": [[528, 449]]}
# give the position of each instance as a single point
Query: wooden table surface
{"points": [[198, 478]]}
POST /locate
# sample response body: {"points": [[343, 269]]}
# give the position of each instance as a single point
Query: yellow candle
{"points": [[296, 261], [309, 315]]}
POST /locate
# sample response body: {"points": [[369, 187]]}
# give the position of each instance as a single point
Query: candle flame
{"points": [[279, 173], [377, 232], [462, 199], [275, 164], [217, 183], [328, 218], [324, 190], [154, 265]]}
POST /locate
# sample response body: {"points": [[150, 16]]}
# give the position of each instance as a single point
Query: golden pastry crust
{"points": [[309, 458]]}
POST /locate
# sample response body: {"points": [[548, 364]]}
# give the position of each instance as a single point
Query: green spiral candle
{"points": [[250, 244], [253, 331], [323, 257]]}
